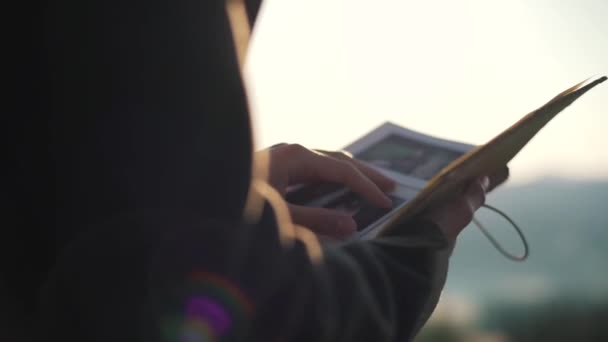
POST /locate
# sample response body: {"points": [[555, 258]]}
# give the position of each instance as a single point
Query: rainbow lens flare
{"points": [[208, 308]]}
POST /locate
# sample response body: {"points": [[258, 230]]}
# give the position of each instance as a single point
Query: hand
{"points": [[456, 214], [293, 164]]}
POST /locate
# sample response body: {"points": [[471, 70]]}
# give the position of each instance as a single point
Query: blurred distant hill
{"points": [[566, 223]]}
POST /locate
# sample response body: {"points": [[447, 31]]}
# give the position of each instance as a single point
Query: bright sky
{"points": [[324, 72]]}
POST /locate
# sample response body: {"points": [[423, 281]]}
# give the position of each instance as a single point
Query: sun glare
{"points": [[323, 73]]}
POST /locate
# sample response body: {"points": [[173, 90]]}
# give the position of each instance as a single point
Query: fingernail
{"points": [[485, 183]]}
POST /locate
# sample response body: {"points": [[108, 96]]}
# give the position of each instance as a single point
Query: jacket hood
{"points": [[253, 8], [122, 107]]}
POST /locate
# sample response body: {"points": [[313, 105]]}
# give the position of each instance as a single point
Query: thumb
{"points": [[323, 221]]}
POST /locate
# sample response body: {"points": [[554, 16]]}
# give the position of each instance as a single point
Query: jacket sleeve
{"points": [[178, 277]]}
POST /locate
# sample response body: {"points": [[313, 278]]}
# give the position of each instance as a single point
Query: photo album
{"points": [[428, 170]]}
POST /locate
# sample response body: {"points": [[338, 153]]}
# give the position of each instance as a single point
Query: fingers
{"points": [[315, 167], [382, 181], [322, 221], [454, 216], [498, 177], [340, 171]]}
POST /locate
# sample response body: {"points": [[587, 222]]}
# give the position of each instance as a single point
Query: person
{"points": [[131, 213]]}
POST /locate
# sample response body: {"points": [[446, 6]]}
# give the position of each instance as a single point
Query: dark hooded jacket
{"points": [[129, 165]]}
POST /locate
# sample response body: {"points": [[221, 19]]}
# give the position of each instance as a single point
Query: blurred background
{"points": [[324, 72]]}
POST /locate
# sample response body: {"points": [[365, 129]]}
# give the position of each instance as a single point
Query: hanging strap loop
{"points": [[496, 244]]}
